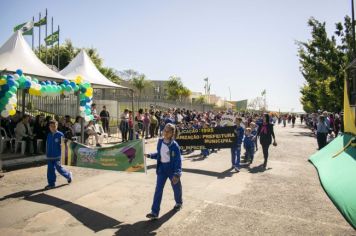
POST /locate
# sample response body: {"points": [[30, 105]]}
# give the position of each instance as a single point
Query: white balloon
{"points": [[29, 78], [5, 113], [16, 76], [38, 87], [87, 118], [9, 107], [82, 108], [13, 100], [82, 114]]}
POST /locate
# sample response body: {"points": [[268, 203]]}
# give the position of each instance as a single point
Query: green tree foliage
{"points": [[200, 100], [176, 90], [139, 82], [66, 54], [323, 60]]}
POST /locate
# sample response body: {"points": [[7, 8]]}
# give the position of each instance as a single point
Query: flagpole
{"points": [[39, 38], [33, 33], [46, 36], [52, 44], [58, 47]]}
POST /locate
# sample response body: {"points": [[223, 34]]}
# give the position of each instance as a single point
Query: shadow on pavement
{"points": [[144, 228], [220, 175], [26, 193], [94, 220], [258, 169], [307, 134]]}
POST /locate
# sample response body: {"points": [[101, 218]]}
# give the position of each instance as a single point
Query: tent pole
{"points": [[23, 101], [82, 119], [133, 114]]}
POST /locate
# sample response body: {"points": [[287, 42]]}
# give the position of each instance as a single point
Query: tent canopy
{"points": [[15, 54], [82, 65]]}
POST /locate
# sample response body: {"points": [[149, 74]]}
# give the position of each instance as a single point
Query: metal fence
{"points": [[117, 100]]}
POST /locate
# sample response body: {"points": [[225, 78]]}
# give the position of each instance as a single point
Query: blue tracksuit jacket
{"points": [[175, 157], [54, 144]]}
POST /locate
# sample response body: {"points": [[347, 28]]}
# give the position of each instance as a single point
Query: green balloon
{"points": [[13, 89], [76, 88], [9, 94], [88, 111], [86, 85], [17, 84], [4, 100]]}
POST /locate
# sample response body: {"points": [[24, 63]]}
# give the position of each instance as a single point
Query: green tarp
{"points": [[338, 175]]}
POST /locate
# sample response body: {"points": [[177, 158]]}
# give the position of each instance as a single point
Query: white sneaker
{"points": [[237, 169], [70, 179]]}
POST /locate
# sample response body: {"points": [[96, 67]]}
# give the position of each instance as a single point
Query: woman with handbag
{"points": [[266, 133]]}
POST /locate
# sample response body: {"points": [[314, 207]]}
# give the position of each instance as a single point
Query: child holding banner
{"points": [[54, 156], [169, 165], [236, 149]]}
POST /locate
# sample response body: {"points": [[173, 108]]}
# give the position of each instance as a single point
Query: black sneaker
{"points": [[48, 187], [178, 207], [152, 216]]}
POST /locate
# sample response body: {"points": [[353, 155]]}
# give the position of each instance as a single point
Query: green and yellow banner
{"points": [[120, 157]]}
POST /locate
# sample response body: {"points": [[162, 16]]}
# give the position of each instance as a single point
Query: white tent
{"points": [[15, 54], [82, 65]]}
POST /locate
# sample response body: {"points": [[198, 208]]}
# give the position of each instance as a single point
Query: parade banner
{"points": [[219, 137], [120, 157]]}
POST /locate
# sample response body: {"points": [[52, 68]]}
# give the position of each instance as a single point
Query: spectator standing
{"points": [[124, 125], [105, 117], [266, 133]]}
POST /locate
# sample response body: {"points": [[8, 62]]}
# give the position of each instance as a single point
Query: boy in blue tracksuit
{"points": [[54, 156], [236, 149], [249, 145], [254, 129], [169, 166]]}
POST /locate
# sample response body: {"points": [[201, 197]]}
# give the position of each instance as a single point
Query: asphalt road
{"points": [[285, 199]]}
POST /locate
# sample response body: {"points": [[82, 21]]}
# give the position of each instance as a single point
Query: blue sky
{"points": [[245, 45]]}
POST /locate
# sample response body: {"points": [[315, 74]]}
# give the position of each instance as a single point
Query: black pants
{"points": [[321, 138], [152, 130], [105, 124], [265, 152]]}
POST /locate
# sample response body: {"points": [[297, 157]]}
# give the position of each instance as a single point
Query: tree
{"points": [[322, 64], [185, 94], [128, 74], [140, 83], [176, 90], [200, 100], [256, 104], [66, 54]]}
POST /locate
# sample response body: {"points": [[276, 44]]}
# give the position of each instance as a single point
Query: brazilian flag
{"points": [[43, 21], [52, 39]]}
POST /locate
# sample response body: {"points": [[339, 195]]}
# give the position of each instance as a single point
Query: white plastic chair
{"points": [[4, 139], [103, 135]]}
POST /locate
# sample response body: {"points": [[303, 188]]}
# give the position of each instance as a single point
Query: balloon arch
{"points": [[11, 83]]}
